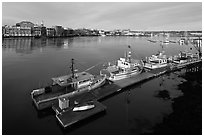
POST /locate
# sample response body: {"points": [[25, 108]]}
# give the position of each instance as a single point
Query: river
{"points": [[29, 63]]}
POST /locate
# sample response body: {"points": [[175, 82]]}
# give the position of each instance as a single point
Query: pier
{"points": [[68, 117]]}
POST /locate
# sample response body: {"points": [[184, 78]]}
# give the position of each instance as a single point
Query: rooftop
{"points": [[82, 76], [67, 79]]}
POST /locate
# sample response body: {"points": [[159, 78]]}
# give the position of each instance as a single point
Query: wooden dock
{"points": [[69, 117]]}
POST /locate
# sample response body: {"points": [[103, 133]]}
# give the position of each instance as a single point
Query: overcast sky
{"points": [[108, 16]]}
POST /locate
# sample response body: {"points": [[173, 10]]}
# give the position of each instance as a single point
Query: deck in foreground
{"points": [[69, 117]]}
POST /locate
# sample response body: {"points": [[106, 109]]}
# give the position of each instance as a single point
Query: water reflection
{"points": [[163, 94], [186, 118], [27, 45]]}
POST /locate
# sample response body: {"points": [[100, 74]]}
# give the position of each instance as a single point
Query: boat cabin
{"points": [[158, 59], [123, 63], [80, 80], [188, 55]]}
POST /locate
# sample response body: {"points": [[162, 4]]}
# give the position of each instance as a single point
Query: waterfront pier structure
{"points": [[67, 117]]}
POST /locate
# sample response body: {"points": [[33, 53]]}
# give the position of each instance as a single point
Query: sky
{"points": [[108, 16]]}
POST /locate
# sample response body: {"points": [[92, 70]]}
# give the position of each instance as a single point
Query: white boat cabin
{"points": [[80, 80], [188, 55], [158, 59], [124, 63]]}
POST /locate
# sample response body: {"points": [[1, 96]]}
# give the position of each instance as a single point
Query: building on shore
{"points": [[50, 32], [39, 30], [58, 31], [17, 31], [25, 24], [22, 29]]}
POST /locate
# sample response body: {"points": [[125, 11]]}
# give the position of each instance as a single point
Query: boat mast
{"points": [[129, 54], [72, 67]]}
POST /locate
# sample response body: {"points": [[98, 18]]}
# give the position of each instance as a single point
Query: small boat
{"points": [[171, 41], [83, 107], [153, 41], [123, 68], [156, 61]]}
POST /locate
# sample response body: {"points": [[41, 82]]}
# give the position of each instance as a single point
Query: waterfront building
{"points": [[22, 29], [3, 31], [43, 31], [125, 31], [116, 32], [58, 31], [39, 30], [102, 32], [109, 33], [18, 31], [65, 32], [50, 32], [25, 24]]}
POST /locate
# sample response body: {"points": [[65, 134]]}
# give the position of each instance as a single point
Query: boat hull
{"points": [[41, 97], [123, 75], [154, 66]]}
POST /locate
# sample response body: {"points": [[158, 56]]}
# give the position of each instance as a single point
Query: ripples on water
{"points": [[30, 63]]}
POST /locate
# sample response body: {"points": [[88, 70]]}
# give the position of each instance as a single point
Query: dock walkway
{"points": [[70, 117]]}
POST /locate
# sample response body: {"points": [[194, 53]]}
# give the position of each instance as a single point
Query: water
{"points": [[30, 63]]}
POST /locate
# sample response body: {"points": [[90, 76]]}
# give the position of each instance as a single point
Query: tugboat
{"points": [[184, 57], [156, 61], [69, 85], [124, 67]]}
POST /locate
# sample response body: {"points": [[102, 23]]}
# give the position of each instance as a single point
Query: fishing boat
{"points": [[83, 107], [70, 84], [185, 57], [124, 67], [155, 61]]}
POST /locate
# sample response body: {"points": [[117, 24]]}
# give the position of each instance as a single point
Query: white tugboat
{"points": [[156, 61], [184, 58], [124, 67]]}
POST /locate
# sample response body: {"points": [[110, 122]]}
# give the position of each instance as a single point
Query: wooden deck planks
{"points": [[69, 117]]}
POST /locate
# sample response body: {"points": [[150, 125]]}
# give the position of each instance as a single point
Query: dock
{"points": [[68, 117]]}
